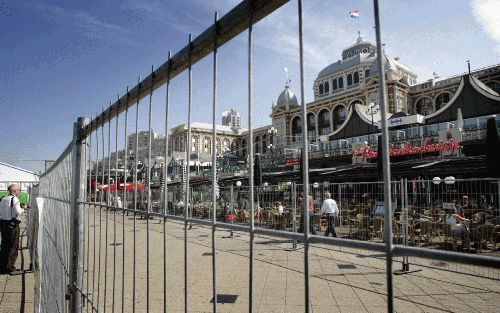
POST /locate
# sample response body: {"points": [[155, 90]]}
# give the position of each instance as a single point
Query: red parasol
{"points": [[130, 186]]}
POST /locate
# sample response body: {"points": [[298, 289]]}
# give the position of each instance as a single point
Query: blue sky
{"points": [[64, 59]]}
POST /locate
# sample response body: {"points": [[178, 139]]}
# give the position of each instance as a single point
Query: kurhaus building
{"points": [[346, 97], [345, 114]]}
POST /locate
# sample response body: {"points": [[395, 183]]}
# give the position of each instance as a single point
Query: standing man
{"points": [[10, 211], [331, 210]]}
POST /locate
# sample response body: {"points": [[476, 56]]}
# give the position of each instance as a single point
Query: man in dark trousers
{"points": [[10, 211], [331, 210]]}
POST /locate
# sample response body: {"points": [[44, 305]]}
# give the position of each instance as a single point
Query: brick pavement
{"points": [[16, 292], [342, 279]]}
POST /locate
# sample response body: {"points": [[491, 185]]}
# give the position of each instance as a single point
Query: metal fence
{"points": [[80, 240]]}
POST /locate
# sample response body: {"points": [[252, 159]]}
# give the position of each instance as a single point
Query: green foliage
{"points": [[23, 196]]}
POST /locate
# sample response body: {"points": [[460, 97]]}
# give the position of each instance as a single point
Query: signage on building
{"points": [[406, 120], [450, 147], [292, 161]]}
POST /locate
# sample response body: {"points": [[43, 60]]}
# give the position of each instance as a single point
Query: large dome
{"points": [[339, 66], [362, 52], [287, 96], [388, 62]]}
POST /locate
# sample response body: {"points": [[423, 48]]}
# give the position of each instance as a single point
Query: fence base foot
{"points": [[406, 270], [295, 247]]}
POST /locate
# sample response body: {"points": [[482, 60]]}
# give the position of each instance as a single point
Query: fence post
{"points": [[77, 231]]}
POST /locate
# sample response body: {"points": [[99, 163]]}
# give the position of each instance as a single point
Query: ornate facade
{"points": [[352, 83], [345, 105]]}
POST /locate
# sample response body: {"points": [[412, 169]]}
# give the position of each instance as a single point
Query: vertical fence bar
{"points": [[134, 261], [251, 196], [125, 174], [108, 197], [305, 161], [77, 229], [214, 168], [148, 175], [165, 177], [88, 182], [186, 200], [385, 161], [100, 217], [115, 204], [84, 222], [95, 207]]}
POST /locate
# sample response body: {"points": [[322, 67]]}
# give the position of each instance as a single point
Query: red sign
{"points": [[406, 149], [292, 162]]}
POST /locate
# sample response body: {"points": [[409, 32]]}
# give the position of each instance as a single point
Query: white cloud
{"points": [[486, 13]]}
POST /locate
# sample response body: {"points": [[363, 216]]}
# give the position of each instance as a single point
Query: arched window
{"points": [[324, 122], [356, 77], [320, 89], [297, 129], [339, 116], [311, 126], [424, 106], [327, 87], [235, 147], [244, 147], [207, 145], [218, 146], [264, 143], [367, 73], [349, 79], [257, 144], [334, 84], [341, 82], [177, 143], [225, 145], [194, 144], [442, 99]]}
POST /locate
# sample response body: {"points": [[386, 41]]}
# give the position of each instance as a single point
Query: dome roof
{"points": [[287, 96], [388, 62], [362, 52], [361, 58]]}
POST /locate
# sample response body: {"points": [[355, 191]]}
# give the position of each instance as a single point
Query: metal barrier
{"points": [[78, 265]]}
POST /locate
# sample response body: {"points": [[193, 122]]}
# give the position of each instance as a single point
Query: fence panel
{"points": [[53, 264], [372, 216]]}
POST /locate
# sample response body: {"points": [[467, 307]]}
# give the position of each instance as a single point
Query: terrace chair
{"points": [[448, 236], [317, 222], [377, 228], [484, 234], [424, 232], [360, 223], [286, 220]]}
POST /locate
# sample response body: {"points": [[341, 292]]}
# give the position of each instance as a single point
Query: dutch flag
{"points": [[355, 14]]}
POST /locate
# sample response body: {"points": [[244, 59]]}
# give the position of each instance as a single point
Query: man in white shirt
{"points": [[10, 211], [331, 210]]}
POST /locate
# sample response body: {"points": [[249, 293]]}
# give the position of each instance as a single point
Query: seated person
{"points": [[280, 208], [457, 221]]}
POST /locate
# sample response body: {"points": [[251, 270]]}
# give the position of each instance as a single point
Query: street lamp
{"points": [[272, 132], [372, 110]]}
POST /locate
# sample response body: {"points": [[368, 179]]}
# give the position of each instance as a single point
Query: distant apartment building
{"points": [[231, 118]]}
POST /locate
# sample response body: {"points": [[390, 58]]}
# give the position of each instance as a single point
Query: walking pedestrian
{"points": [[312, 228], [10, 211], [331, 210]]}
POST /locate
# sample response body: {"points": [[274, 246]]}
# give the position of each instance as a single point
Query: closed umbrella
{"points": [[460, 119]]}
